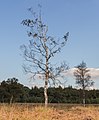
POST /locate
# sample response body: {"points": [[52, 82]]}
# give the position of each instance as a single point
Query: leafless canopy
{"points": [[82, 75], [41, 49]]}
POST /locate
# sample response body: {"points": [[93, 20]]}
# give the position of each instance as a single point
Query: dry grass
{"points": [[16, 112]]}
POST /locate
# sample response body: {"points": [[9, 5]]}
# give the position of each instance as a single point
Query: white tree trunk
{"points": [[46, 79], [45, 93]]}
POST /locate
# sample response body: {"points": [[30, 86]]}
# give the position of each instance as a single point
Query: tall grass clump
{"points": [[16, 112]]}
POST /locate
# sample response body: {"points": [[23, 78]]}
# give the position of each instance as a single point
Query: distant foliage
{"points": [[12, 91]]}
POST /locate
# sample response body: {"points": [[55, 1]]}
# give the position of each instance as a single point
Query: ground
{"points": [[26, 112]]}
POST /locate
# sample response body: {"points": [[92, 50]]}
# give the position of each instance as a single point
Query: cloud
{"points": [[94, 72]]}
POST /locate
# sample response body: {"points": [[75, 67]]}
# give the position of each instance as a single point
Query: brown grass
{"points": [[24, 112]]}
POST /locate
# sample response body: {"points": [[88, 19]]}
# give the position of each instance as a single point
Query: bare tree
{"points": [[83, 78], [40, 51]]}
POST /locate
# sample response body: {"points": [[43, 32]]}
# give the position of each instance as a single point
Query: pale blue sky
{"points": [[78, 17]]}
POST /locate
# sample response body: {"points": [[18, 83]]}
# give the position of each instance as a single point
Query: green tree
{"points": [[11, 90], [83, 78], [40, 51], [36, 95]]}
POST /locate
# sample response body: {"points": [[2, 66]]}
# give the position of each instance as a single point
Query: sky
{"points": [[78, 17]]}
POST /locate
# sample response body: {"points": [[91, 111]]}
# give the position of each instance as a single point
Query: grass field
{"points": [[30, 112]]}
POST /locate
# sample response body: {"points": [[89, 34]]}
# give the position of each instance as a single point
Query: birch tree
{"points": [[83, 78], [39, 52]]}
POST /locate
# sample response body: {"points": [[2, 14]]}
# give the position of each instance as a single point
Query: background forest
{"points": [[12, 91]]}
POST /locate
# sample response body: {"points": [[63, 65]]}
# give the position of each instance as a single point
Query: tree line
{"points": [[11, 91]]}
